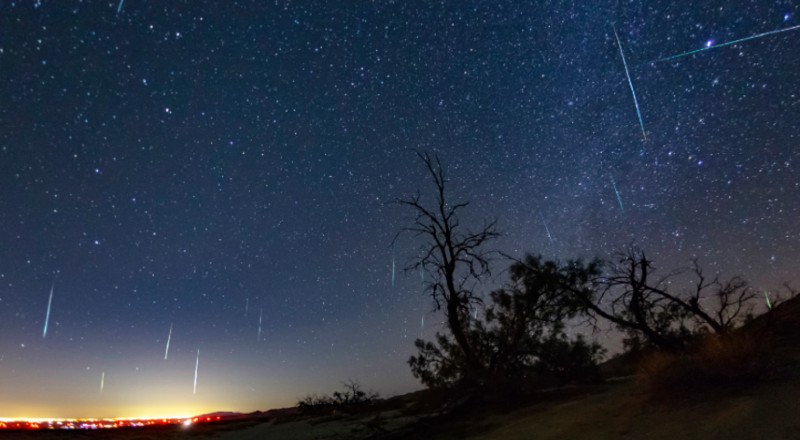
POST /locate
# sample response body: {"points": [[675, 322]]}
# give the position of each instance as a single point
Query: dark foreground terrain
{"points": [[619, 408], [615, 410]]}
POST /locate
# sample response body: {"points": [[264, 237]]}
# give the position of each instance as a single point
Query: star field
{"points": [[199, 164]]}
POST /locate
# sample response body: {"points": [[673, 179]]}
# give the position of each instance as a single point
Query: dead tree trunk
{"points": [[455, 257]]}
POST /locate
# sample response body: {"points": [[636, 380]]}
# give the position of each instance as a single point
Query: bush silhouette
{"points": [[350, 397], [717, 361]]}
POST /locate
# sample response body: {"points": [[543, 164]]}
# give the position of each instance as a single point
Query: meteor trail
{"points": [[422, 327], [766, 297], [169, 337], [102, 380], [630, 83], [196, 364], [260, 315], [392, 264], [550, 237], [619, 198], [712, 46], [119, 8], [49, 303]]}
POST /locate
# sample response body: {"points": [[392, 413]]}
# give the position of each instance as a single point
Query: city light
{"points": [[71, 424]]}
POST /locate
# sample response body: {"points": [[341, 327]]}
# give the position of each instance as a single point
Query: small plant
{"points": [[717, 361], [351, 396]]}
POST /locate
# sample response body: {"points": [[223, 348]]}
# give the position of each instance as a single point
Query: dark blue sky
{"points": [[202, 163]]}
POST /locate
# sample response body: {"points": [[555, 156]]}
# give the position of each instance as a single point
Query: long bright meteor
{"points": [[710, 45], [630, 83], [49, 304], [196, 364], [169, 337]]}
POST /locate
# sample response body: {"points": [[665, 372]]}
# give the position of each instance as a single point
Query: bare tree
{"points": [[352, 395], [453, 254], [632, 297]]}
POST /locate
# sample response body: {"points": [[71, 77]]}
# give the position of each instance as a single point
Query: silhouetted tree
{"points": [[351, 396], [526, 325], [521, 336], [439, 364], [456, 258], [627, 293]]}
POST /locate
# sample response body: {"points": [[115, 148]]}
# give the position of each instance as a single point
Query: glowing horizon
{"points": [[135, 414]]}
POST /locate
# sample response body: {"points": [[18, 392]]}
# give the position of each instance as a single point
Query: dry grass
{"points": [[731, 361]]}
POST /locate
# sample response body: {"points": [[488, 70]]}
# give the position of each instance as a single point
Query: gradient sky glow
{"points": [[190, 163]]}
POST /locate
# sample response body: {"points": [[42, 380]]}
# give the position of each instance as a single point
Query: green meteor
{"points": [[766, 297], [712, 46]]}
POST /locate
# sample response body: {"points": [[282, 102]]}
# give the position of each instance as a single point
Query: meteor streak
{"points": [[712, 46], [169, 337], [422, 327], [49, 303], [260, 315], [630, 83], [392, 264], [102, 380], [766, 298], [619, 198], [119, 8], [550, 237], [196, 364]]}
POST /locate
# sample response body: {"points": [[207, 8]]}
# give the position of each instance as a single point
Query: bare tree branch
{"points": [[455, 257]]}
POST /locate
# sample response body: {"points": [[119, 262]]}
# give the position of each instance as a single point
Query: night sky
{"points": [[202, 164]]}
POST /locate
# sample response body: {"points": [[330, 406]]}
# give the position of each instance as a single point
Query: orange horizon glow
{"points": [[35, 423], [91, 419], [135, 414]]}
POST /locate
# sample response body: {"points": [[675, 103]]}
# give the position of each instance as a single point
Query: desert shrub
{"points": [[437, 365], [717, 361], [569, 360], [313, 401], [351, 396], [521, 338], [664, 372]]}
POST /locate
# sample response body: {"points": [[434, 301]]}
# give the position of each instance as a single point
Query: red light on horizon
{"points": [[110, 423]]}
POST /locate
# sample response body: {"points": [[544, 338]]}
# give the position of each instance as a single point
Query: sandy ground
{"points": [[611, 411]]}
